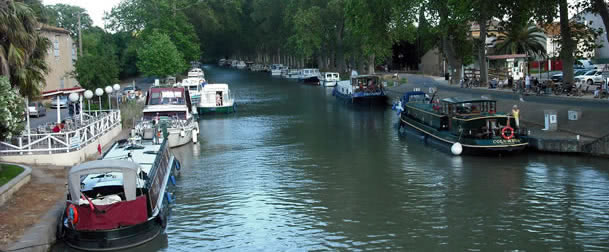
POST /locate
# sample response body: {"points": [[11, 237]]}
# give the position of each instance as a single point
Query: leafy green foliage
{"points": [[66, 16], [158, 56], [165, 16], [12, 110], [98, 66], [528, 39], [22, 48]]}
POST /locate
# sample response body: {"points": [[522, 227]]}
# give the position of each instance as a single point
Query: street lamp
{"points": [[99, 92], [89, 95], [109, 91], [117, 87]]}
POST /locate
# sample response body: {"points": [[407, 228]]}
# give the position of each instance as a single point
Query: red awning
{"points": [[63, 91], [507, 56]]}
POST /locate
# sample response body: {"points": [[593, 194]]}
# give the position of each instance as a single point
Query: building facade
{"points": [[60, 59]]}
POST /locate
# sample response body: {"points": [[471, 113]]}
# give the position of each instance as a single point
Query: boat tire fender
{"points": [[507, 136]]}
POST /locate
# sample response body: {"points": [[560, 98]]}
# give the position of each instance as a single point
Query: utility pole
{"points": [[79, 38]]}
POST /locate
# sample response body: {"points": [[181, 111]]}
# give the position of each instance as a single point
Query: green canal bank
{"points": [[588, 134]]}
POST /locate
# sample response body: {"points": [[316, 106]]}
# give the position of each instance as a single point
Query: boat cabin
{"points": [[111, 187], [216, 95], [196, 73], [475, 118], [468, 107], [367, 84], [331, 76], [171, 102]]}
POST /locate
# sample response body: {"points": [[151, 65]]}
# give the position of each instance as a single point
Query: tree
{"points": [[22, 48], [11, 110], [166, 16], [98, 66], [528, 39], [158, 56], [66, 16], [603, 11]]}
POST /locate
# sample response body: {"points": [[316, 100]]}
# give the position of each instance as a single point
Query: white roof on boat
{"points": [[128, 170], [165, 108], [216, 86]]}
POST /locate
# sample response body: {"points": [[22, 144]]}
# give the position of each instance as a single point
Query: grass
{"points": [[8, 172]]}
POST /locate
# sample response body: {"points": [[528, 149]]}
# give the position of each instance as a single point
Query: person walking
{"points": [[516, 114], [527, 83]]}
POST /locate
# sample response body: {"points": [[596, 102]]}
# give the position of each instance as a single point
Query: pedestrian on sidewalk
{"points": [[527, 82], [516, 114]]}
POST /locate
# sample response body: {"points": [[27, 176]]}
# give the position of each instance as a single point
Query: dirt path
{"points": [[32, 201]]}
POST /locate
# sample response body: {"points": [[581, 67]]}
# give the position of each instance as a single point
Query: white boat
{"points": [[172, 107], [194, 86], [284, 71], [293, 74], [329, 79], [276, 69], [196, 73], [234, 63], [216, 98], [310, 75], [241, 65], [122, 200]]}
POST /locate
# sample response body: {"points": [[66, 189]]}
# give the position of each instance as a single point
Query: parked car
{"points": [[558, 77], [63, 102], [590, 77], [37, 109]]}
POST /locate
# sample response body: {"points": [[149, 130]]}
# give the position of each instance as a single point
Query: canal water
{"points": [[296, 170]]}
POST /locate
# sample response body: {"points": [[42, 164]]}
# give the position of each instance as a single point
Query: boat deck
{"points": [[144, 155]]}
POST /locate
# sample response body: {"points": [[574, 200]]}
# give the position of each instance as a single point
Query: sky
{"points": [[95, 8]]}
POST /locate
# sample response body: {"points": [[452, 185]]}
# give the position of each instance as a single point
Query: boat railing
{"points": [[76, 134]]}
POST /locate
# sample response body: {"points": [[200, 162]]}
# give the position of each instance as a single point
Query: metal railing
{"points": [[75, 135]]}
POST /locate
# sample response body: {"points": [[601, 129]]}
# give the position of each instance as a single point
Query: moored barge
{"points": [[470, 126], [122, 200]]}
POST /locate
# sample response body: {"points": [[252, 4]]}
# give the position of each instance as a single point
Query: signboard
{"points": [[75, 140]]}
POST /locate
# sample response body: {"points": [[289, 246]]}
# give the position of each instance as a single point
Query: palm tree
{"points": [[22, 48], [527, 39]]}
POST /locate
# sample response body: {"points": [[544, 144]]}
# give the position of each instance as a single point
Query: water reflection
{"points": [[294, 169]]}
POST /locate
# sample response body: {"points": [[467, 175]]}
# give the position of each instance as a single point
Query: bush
{"points": [[12, 110]]}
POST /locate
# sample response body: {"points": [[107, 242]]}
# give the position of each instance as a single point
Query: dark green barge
{"points": [[473, 123]]}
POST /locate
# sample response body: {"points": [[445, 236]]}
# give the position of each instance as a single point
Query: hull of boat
{"points": [[471, 147], [311, 80], [179, 137], [370, 99], [130, 236], [220, 109], [329, 83]]}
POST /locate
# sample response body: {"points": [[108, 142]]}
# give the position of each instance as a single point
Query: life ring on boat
{"points": [[505, 136], [72, 214]]}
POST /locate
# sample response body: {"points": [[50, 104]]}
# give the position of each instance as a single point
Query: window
{"points": [[61, 83], [74, 58], [56, 47]]}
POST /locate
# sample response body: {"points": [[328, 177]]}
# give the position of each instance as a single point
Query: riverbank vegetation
{"points": [[332, 35]]}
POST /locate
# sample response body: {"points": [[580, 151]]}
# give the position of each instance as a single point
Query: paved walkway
{"points": [[593, 122]]}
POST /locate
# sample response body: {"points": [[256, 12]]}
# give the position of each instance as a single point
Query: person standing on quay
{"points": [[527, 82], [516, 114]]}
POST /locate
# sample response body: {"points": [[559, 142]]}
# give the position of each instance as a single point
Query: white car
{"points": [[590, 77]]}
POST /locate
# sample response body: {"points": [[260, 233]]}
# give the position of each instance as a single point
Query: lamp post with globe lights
{"points": [[109, 90], [89, 95], [74, 98], [99, 92], [116, 88]]}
